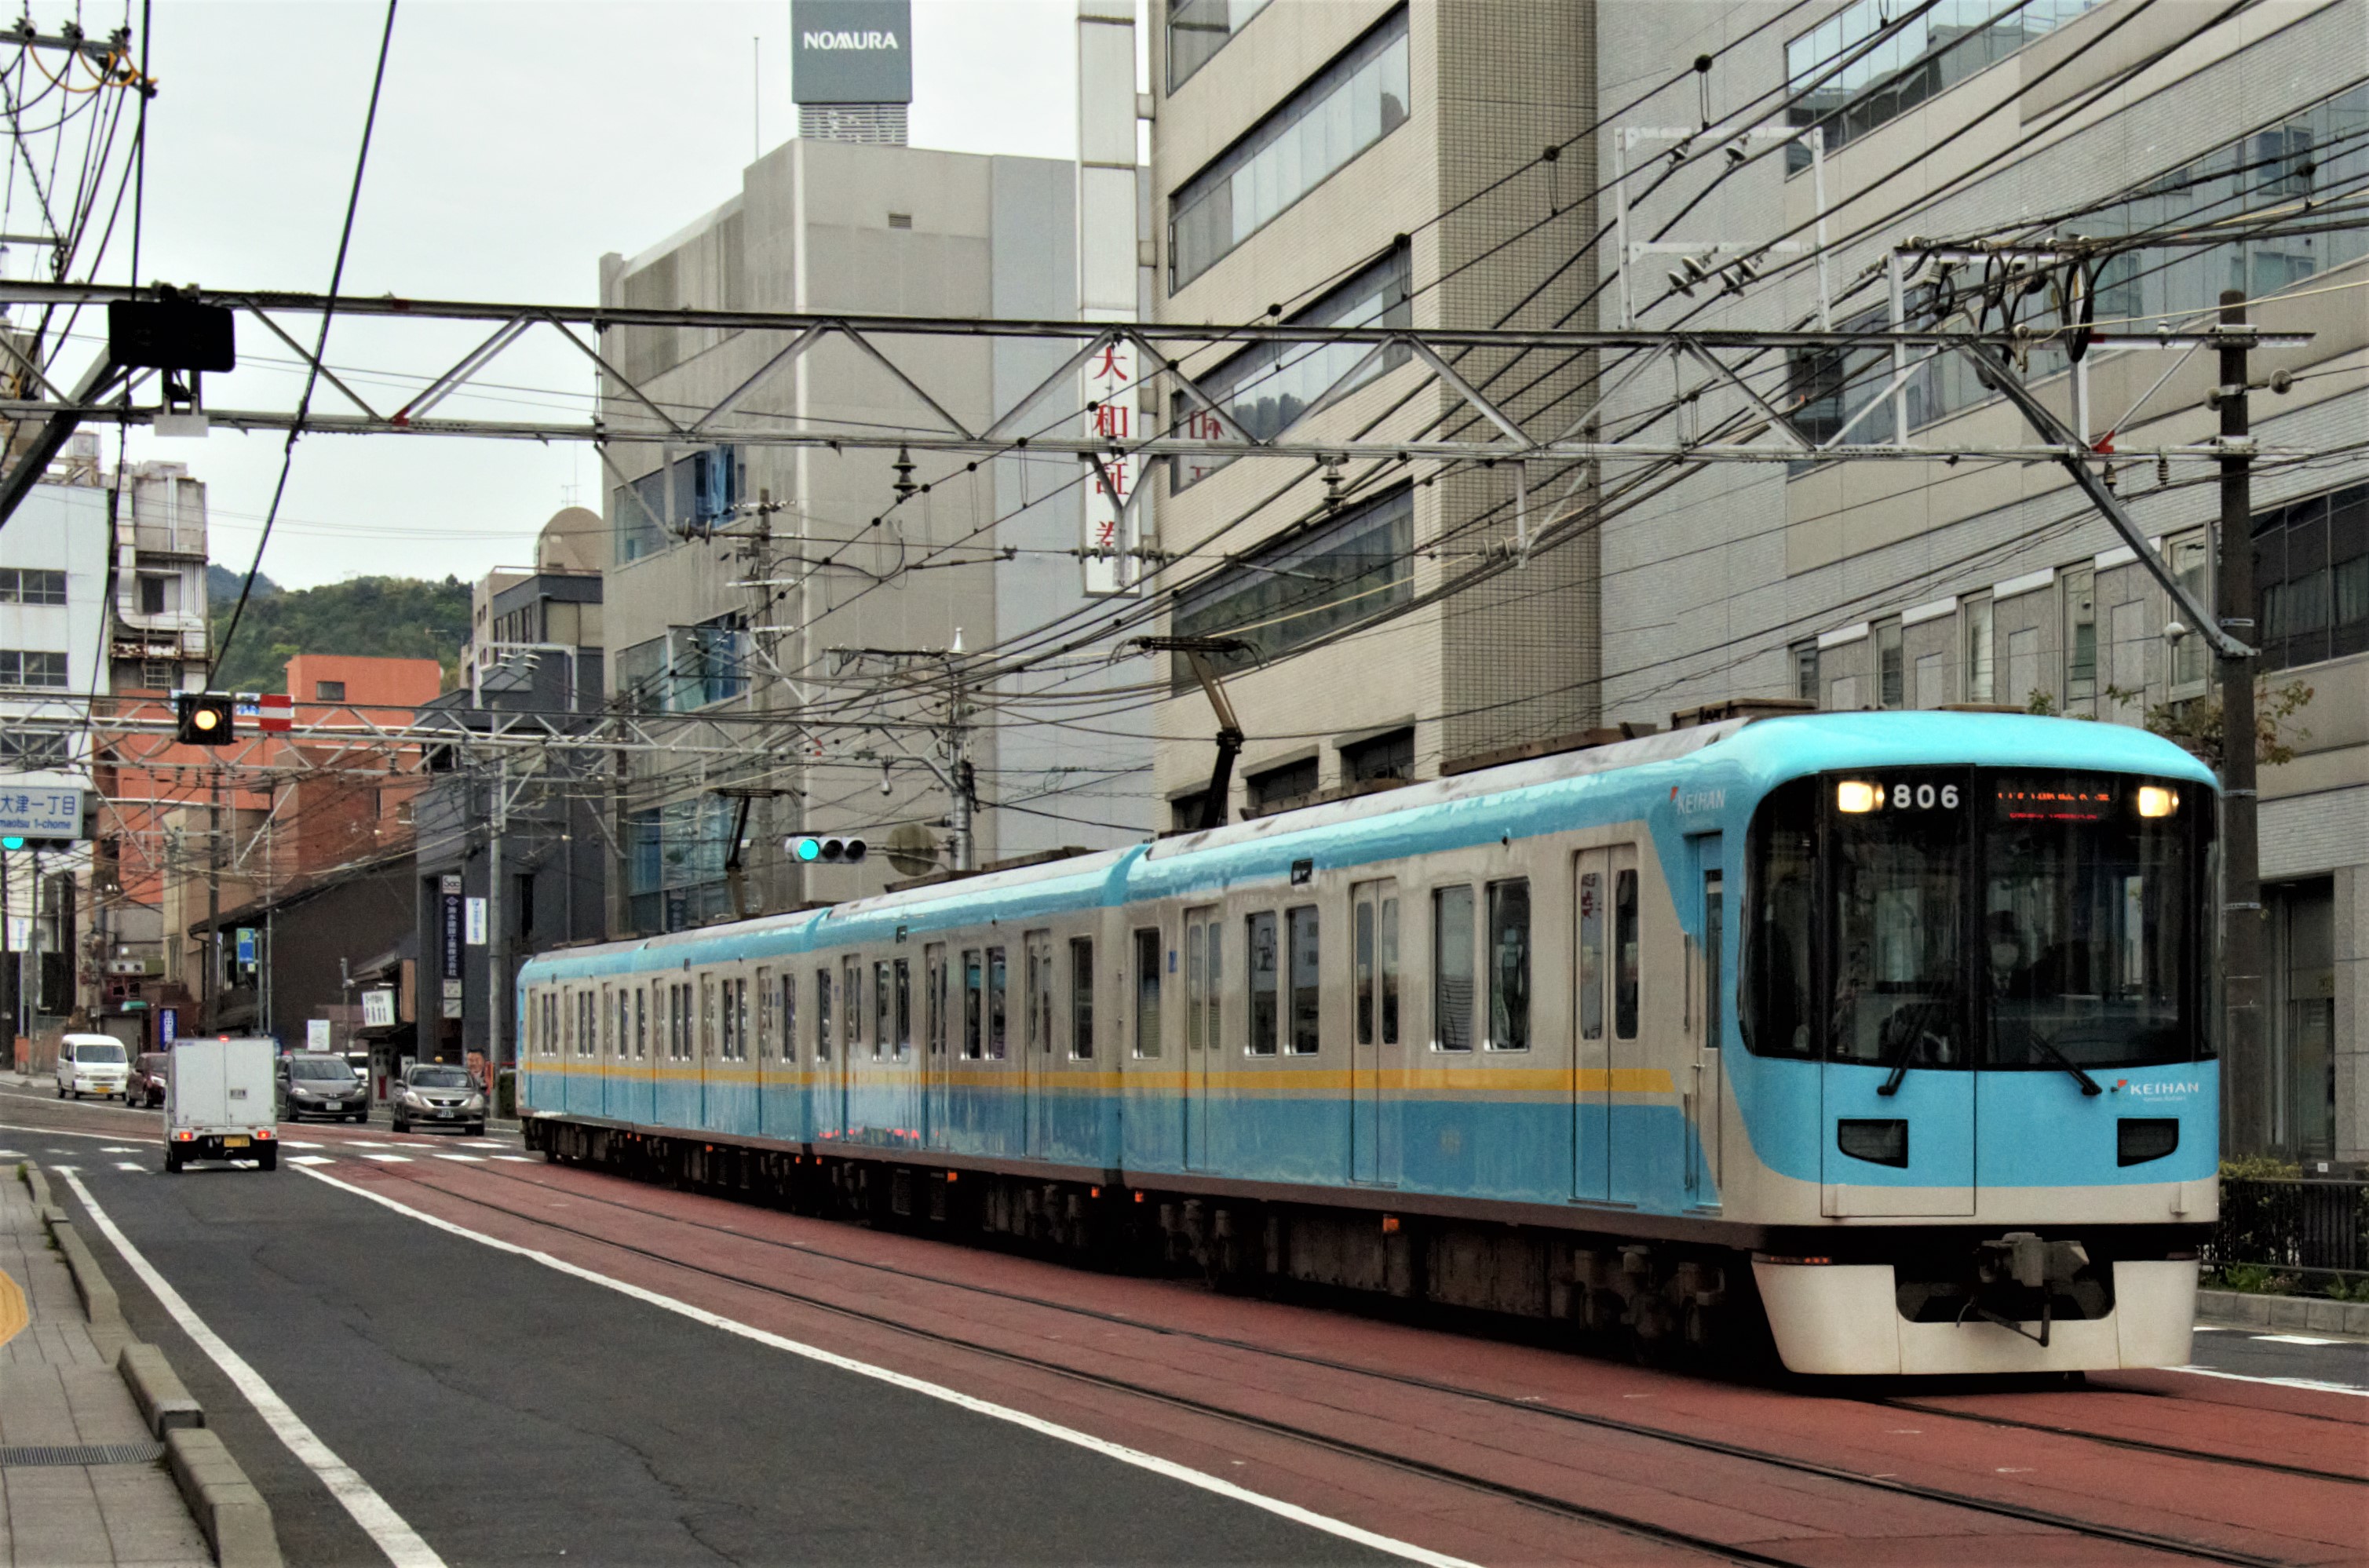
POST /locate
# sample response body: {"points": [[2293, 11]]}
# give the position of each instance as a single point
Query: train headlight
{"points": [[2157, 801], [1856, 797]]}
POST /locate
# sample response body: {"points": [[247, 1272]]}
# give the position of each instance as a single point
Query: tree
{"points": [[2195, 724]]}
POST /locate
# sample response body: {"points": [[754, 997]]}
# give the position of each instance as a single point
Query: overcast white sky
{"points": [[516, 142]]}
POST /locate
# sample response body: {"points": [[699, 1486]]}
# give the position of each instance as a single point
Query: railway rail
{"points": [[2182, 1548]]}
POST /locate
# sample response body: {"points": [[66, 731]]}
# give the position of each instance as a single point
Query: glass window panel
{"points": [[1388, 955], [1361, 962], [1306, 982], [995, 1003], [1509, 966], [1627, 954], [1082, 997], [1148, 956], [1451, 968], [1266, 1001], [1591, 957]]}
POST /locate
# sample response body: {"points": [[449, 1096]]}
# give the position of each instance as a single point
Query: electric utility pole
{"points": [[2244, 1085]]}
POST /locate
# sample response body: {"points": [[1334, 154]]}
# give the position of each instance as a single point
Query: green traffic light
{"points": [[12, 843], [809, 849]]}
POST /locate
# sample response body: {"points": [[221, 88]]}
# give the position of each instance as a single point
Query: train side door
{"points": [[934, 1043], [1035, 1038], [1640, 1111], [1204, 1025], [1374, 1023], [1591, 1060], [851, 1045]]}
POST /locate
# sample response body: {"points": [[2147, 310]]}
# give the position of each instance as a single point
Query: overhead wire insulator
{"points": [[904, 467]]}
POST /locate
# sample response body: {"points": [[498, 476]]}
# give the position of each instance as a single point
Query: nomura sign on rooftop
{"points": [[851, 51]]}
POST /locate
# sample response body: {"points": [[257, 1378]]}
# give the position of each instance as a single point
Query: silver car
{"points": [[432, 1095]]}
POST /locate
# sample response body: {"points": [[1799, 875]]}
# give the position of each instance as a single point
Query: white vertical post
{"points": [[1899, 350], [1621, 219], [1818, 195]]}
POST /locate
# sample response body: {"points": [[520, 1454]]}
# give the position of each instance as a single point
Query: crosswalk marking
{"points": [[517, 1159], [464, 1159], [390, 1159], [292, 1143], [310, 1160], [120, 1148], [129, 1165]]}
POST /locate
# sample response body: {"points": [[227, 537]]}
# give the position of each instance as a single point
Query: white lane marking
{"points": [[292, 1143], [2207, 1328], [382, 1523], [2288, 1339], [65, 1132], [464, 1159], [310, 1160], [120, 1148], [390, 1159], [129, 1165], [2313, 1384], [517, 1159], [1086, 1440]]}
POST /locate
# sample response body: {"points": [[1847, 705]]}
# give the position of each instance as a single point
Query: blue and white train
{"points": [[1894, 1028]]}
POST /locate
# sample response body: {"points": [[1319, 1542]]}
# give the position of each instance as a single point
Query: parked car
{"points": [[432, 1095], [150, 1071], [92, 1064], [315, 1083]]}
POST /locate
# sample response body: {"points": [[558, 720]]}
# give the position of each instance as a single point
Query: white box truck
{"points": [[218, 1103]]}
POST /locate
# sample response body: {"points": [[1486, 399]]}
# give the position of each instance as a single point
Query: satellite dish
{"points": [[912, 848]]}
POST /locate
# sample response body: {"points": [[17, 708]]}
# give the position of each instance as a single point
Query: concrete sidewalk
{"points": [[60, 1392]]}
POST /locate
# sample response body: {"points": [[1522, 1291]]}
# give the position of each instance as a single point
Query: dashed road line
{"points": [[2289, 1339], [130, 1165], [463, 1159], [310, 1160], [2313, 1384], [390, 1159]]}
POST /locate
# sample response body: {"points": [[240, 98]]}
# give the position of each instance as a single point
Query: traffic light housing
{"points": [[203, 718], [841, 852]]}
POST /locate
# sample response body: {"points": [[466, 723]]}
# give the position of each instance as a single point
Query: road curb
{"points": [[236, 1519], [2242, 1309], [233, 1515], [163, 1399]]}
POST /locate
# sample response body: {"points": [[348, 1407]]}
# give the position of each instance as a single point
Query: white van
{"points": [[92, 1064]]}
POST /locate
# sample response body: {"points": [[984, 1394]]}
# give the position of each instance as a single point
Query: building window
{"points": [[688, 668], [1293, 781], [1289, 593], [1266, 387], [1198, 29], [328, 690], [2190, 558], [1891, 669], [900, 220], [1345, 109], [690, 497], [156, 675], [1390, 755], [44, 670], [1931, 52], [155, 594], [1184, 811], [2311, 576], [28, 586], [21, 748], [1805, 672], [1975, 619], [2080, 635]]}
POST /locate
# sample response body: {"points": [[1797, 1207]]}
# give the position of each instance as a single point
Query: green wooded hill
{"points": [[375, 617]]}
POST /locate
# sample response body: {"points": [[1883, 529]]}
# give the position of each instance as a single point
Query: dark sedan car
{"points": [[149, 1072], [319, 1085]]}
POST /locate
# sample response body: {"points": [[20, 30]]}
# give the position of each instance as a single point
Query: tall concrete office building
{"points": [[1341, 163], [1911, 584], [757, 589]]}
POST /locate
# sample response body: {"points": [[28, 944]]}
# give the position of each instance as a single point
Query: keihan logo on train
{"points": [[2179, 1089]]}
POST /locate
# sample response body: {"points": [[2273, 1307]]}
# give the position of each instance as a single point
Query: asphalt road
{"points": [[512, 1414]]}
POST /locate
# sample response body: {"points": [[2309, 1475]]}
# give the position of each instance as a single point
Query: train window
{"points": [[884, 1000], [686, 1023], [1361, 971], [904, 1009], [1306, 976], [789, 1016], [1266, 1020], [589, 1015], [1714, 957], [1148, 956], [1204, 980], [740, 1013], [708, 1017], [1082, 997], [1388, 955], [789, 1008], [764, 1014], [1509, 966], [934, 998], [728, 1043], [974, 1013], [1626, 954], [641, 1023], [851, 1007], [1591, 956], [1899, 890], [1782, 858], [1194, 984], [822, 1013], [1451, 968], [995, 1008], [1036, 955]]}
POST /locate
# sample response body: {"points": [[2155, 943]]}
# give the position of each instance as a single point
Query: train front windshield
{"points": [[1976, 918]]}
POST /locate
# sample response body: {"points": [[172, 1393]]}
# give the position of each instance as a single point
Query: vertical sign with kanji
{"points": [[1109, 386]]}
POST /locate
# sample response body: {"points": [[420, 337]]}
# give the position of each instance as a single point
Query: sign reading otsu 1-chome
{"points": [[852, 51]]}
